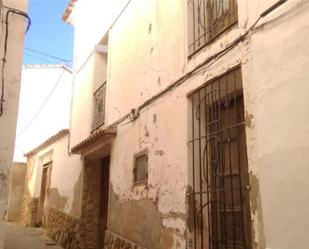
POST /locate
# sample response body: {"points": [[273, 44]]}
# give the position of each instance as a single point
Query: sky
{"points": [[48, 33]]}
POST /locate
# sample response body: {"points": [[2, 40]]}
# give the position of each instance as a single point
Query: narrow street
{"points": [[19, 237]]}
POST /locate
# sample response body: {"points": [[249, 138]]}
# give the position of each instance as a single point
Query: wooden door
{"points": [[44, 187], [103, 200]]}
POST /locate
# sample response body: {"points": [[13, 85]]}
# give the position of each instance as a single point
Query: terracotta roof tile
{"points": [[68, 10], [96, 135], [49, 141]]}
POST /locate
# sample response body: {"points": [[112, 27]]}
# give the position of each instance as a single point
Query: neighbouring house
{"points": [[46, 193], [44, 110], [14, 25], [189, 128], [48, 112]]}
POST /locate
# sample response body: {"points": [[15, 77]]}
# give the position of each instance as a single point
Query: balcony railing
{"points": [[99, 107]]}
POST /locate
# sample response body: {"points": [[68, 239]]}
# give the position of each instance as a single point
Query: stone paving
{"points": [[19, 237]]}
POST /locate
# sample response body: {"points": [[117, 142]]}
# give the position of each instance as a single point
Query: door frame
{"points": [[45, 185], [103, 204]]}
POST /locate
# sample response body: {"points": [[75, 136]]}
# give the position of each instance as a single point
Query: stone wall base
{"points": [[63, 228], [114, 241], [29, 210]]}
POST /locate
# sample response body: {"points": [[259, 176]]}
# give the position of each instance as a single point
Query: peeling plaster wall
{"points": [[65, 186], [167, 167], [276, 77], [147, 52], [11, 94]]}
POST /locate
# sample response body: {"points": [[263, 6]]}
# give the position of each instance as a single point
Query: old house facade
{"points": [[189, 126], [14, 23]]}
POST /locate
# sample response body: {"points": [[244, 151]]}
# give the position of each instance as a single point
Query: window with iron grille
{"points": [[140, 171], [99, 107], [207, 19], [219, 202]]}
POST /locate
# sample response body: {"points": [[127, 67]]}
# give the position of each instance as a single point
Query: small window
{"points": [[207, 19], [140, 172]]}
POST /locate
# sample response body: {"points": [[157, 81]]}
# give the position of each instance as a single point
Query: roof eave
{"points": [[49, 141], [68, 11], [100, 136]]}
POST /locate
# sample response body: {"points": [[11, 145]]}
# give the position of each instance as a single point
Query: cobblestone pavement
{"points": [[19, 237]]}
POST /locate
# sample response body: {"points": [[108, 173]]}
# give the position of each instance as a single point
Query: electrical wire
{"points": [[203, 65], [37, 57], [47, 55], [42, 106], [9, 11]]}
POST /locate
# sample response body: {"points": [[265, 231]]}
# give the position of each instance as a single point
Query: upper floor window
{"points": [[207, 19], [99, 107]]}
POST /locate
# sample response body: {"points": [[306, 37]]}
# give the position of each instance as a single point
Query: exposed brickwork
{"points": [[90, 205], [113, 241], [63, 228]]}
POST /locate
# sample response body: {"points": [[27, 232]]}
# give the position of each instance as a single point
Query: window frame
{"points": [[135, 158]]}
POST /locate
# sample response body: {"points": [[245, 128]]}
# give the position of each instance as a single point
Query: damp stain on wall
{"points": [[137, 220], [258, 236], [56, 200]]}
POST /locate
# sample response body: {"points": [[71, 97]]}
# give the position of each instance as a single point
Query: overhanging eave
{"points": [[99, 137]]}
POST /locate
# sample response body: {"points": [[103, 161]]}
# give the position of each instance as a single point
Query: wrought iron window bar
{"points": [[99, 107], [208, 19], [219, 170]]}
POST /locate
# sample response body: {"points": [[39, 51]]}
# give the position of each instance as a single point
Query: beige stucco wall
{"points": [[147, 52], [65, 186], [52, 87], [17, 184], [277, 97], [11, 94]]}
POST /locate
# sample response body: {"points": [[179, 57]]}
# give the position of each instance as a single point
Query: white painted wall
{"points": [[274, 60], [11, 93], [45, 100]]}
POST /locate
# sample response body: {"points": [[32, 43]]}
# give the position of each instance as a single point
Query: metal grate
{"points": [[219, 201], [99, 107], [208, 19]]}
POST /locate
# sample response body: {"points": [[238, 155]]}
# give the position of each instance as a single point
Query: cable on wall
{"points": [[202, 66], [16, 12]]}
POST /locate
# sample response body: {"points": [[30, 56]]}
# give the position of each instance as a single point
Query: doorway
{"points": [[45, 183], [103, 205]]}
